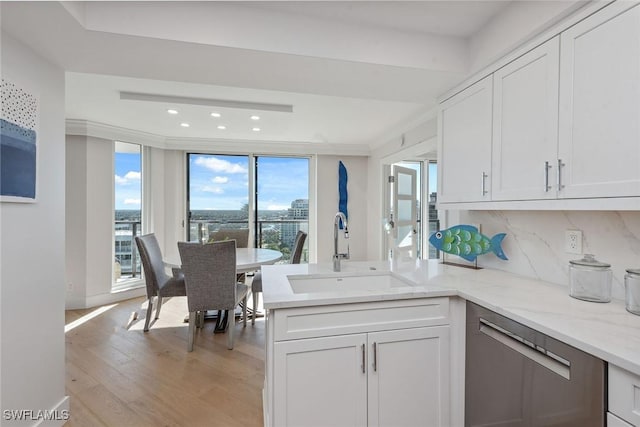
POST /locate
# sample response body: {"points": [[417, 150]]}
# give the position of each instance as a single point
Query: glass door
{"points": [[405, 213], [217, 194], [281, 203]]}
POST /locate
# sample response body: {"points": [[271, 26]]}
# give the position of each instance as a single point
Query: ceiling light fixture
{"points": [[216, 115], [221, 127], [255, 117], [184, 125], [172, 111], [256, 129], [226, 103]]}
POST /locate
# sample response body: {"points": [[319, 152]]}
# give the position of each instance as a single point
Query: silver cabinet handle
{"points": [[547, 166], [560, 165], [543, 357], [363, 357], [484, 181], [375, 357]]}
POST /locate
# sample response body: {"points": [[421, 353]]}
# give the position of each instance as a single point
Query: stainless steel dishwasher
{"points": [[516, 376]]}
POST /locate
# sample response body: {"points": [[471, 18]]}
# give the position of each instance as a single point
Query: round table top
{"points": [[247, 259], [250, 259]]}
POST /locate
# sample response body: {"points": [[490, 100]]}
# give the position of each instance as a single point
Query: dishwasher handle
{"points": [[541, 356]]}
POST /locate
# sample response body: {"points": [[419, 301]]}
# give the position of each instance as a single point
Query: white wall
{"points": [[89, 223], [327, 206], [32, 365]]}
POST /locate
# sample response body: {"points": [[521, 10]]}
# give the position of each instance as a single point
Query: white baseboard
{"points": [[74, 303], [60, 414]]}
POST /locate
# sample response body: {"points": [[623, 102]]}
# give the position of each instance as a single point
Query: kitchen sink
{"points": [[344, 283]]}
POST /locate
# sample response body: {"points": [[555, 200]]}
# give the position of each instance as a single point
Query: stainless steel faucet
{"points": [[337, 256]]}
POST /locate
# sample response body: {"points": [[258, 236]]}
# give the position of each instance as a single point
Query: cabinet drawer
{"points": [[308, 322], [613, 421], [624, 394]]}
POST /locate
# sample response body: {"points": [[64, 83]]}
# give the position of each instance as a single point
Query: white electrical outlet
{"points": [[573, 242]]}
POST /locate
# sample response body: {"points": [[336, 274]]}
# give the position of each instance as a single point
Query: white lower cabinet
{"points": [[376, 376], [624, 397], [391, 378], [613, 421], [408, 376], [320, 382]]}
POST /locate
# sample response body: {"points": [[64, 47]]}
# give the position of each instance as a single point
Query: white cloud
{"points": [[133, 175], [132, 202], [211, 189], [127, 178], [277, 207], [220, 180], [218, 165]]}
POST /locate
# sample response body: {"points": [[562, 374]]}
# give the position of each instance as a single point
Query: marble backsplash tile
{"points": [[535, 241]]}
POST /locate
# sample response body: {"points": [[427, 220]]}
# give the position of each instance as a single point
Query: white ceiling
{"points": [[353, 71]]}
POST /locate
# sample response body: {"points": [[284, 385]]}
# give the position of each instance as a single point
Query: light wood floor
{"points": [[118, 375]]}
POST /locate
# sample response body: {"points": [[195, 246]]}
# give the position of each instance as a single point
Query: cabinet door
{"points": [[599, 128], [320, 382], [464, 145], [409, 377], [525, 125]]}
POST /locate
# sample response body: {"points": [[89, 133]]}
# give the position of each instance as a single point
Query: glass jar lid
{"points": [[633, 271], [589, 260]]}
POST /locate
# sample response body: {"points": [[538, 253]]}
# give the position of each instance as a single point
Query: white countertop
{"points": [[607, 331]]}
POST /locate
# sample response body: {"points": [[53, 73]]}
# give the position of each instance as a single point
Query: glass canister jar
{"points": [[632, 290], [590, 279]]}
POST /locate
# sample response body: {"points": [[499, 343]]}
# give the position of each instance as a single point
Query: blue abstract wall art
{"points": [[342, 191], [18, 144]]}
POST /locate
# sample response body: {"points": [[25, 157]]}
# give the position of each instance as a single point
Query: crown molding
{"points": [[115, 133], [265, 147], [235, 146]]}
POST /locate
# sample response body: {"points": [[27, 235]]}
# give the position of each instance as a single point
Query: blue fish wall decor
{"points": [[467, 242]]}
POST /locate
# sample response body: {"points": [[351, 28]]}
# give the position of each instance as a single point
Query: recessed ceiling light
{"points": [[172, 111], [255, 117], [221, 127], [184, 125], [215, 114], [256, 129]]}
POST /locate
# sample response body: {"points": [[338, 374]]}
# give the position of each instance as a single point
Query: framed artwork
{"points": [[18, 144]]}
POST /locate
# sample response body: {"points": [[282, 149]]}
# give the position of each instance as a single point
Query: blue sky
{"points": [[128, 190], [221, 182]]}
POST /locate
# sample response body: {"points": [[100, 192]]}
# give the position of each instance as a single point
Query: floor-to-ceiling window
{"points": [[282, 202], [128, 211], [222, 193], [218, 194]]}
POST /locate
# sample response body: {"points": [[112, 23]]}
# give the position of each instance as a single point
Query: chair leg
{"points": [[148, 318], [192, 330], [201, 319], [255, 308], [244, 311], [231, 323], [159, 306]]}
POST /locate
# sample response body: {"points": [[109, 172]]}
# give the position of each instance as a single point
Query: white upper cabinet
{"points": [[525, 126], [556, 127], [600, 104], [464, 144]]}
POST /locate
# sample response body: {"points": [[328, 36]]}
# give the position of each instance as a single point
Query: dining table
{"points": [[247, 260]]}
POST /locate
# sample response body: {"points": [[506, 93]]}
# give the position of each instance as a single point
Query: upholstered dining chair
{"points": [[240, 235], [210, 278], [159, 283], [256, 285]]}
